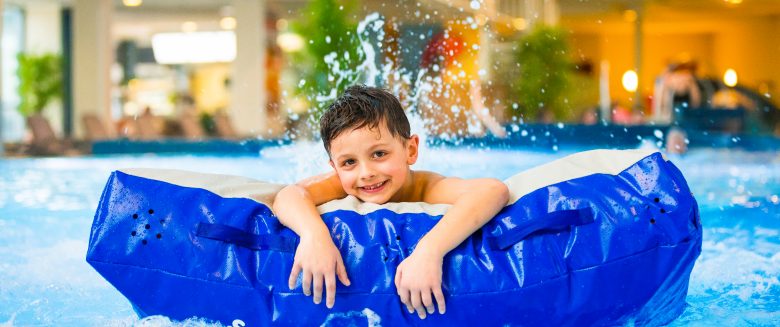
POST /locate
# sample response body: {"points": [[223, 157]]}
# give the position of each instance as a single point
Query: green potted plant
{"points": [[544, 78], [40, 81]]}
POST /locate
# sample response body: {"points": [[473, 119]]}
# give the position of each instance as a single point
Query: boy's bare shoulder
{"points": [[426, 178], [424, 182]]}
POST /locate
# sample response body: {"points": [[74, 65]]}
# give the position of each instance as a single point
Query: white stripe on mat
{"points": [[570, 167]]}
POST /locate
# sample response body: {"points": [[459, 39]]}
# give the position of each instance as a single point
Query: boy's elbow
{"points": [[278, 199], [499, 190], [504, 193], [282, 197]]}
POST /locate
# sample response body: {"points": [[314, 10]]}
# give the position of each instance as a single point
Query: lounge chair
{"points": [[224, 127], [149, 127], [95, 129], [44, 141], [190, 127]]}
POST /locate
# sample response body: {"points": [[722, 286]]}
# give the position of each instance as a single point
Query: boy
{"points": [[366, 134]]}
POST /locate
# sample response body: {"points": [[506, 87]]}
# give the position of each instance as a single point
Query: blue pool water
{"points": [[46, 209]]}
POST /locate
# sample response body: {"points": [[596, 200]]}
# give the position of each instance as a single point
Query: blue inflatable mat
{"points": [[603, 237]]}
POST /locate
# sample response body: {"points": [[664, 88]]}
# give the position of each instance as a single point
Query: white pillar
{"points": [[93, 54], [42, 27], [533, 12], [542, 11], [247, 88], [605, 101], [552, 12]]}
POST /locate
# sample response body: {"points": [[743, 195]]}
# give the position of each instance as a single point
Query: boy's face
{"points": [[371, 164]]}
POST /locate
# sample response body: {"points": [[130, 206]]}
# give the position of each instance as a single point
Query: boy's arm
{"points": [[316, 256], [475, 201]]}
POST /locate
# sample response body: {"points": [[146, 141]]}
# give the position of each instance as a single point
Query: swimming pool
{"points": [[46, 209]]}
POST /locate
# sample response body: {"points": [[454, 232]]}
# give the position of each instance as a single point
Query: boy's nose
{"points": [[366, 172]]}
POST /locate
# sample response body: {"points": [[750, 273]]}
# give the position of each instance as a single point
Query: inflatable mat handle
{"points": [[555, 220], [245, 239]]}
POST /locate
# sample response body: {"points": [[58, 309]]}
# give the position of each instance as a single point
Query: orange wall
{"points": [[752, 49], [749, 46]]}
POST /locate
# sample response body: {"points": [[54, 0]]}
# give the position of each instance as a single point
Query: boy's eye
{"points": [[348, 162], [379, 154]]}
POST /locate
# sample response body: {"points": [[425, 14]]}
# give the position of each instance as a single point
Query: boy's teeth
{"points": [[371, 187]]}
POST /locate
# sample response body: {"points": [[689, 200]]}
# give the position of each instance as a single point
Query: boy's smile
{"points": [[371, 164]]}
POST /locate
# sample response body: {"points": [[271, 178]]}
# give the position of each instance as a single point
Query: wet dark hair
{"points": [[362, 106]]}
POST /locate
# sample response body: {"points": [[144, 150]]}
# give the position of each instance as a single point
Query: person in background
{"points": [[676, 90]]}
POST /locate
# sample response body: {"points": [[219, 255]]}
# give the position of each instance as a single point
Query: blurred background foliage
{"points": [[330, 56], [40, 81], [545, 75]]}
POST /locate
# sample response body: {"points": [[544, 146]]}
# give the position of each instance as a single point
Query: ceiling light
{"points": [[194, 47], [189, 27], [630, 81], [281, 24], [132, 3], [730, 78], [519, 23], [228, 23], [630, 15], [290, 42]]}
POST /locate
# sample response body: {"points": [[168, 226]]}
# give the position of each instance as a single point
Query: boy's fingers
{"points": [[440, 299], [341, 270], [417, 304], [306, 283], [398, 280], [296, 270], [404, 295], [330, 290], [317, 284], [427, 301]]}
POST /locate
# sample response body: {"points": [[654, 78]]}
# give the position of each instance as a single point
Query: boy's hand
{"points": [[320, 261], [418, 280]]}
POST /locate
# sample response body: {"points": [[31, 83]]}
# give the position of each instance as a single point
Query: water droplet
{"points": [[658, 134]]}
